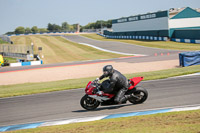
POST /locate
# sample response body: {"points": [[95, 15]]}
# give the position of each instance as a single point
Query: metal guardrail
{"points": [[15, 49], [16, 55]]}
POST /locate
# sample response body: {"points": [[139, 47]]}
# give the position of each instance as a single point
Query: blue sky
{"points": [[28, 13]]}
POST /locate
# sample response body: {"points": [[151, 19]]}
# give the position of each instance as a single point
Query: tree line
{"points": [[64, 27], [98, 24]]}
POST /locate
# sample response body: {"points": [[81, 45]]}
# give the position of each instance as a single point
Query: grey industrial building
{"points": [[182, 23]]}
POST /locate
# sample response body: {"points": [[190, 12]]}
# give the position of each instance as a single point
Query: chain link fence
{"points": [[18, 51]]}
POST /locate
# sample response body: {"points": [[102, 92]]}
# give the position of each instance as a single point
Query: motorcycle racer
{"points": [[118, 82]]}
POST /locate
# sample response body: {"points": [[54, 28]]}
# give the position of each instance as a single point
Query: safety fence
{"points": [[91, 30], [42, 33], [29, 63], [18, 51], [151, 38], [185, 40], [136, 37]]}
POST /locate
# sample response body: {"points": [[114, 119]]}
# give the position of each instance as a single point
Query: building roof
{"points": [[175, 11]]}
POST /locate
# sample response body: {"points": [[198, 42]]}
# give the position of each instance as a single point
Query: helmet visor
{"points": [[105, 73]]}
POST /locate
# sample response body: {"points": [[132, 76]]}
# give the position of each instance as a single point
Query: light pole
{"points": [[101, 27], [32, 46]]}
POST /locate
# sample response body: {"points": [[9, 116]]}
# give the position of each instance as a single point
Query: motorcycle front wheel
{"points": [[89, 103], [141, 94]]}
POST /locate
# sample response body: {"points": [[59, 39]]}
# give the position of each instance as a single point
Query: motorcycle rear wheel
{"points": [[141, 93], [89, 103]]}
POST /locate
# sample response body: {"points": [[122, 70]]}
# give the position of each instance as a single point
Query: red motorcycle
{"points": [[92, 99]]}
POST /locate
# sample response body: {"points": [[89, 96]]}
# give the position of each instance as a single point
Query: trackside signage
{"points": [[141, 17]]}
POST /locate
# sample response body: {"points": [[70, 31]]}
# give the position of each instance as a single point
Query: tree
{"points": [[20, 30], [53, 27], [43, 30], [109, 24], [65, 26], [10, 33], [75, 26], [50, 27], [71, 28], [56, 28], [98, 24], [28, 30], [34, 29], [81, 28]]}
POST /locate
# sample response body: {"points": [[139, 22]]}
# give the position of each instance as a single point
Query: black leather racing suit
{"points": [[117, 82]]}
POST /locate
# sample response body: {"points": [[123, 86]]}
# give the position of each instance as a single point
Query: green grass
{"points": [[3, 42], [154, 44], [57, 49], [10, 60], [34, 88], [174, 122]]}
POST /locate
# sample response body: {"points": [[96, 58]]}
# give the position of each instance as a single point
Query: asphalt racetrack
{"points": [[118, 46], [65, 104]]}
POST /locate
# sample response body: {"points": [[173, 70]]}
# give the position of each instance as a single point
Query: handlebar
{"points": [[96, 84]]}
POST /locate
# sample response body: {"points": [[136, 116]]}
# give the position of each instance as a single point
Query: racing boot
{"points": [[126, 97]]}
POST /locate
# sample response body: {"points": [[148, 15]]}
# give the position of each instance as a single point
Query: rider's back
{"points": [[119, 79]]}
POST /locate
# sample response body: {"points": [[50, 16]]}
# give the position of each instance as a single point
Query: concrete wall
{"points": [[184, 22], [186, 34]]}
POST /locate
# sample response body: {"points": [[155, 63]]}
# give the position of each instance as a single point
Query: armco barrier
{"points": [[26, 63], [151, 38], [185, 40], [189, 58], [40, 33], [136, 37]]}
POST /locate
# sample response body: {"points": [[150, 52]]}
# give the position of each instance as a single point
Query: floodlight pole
{"points": [[101, 24], [32, 46]]}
